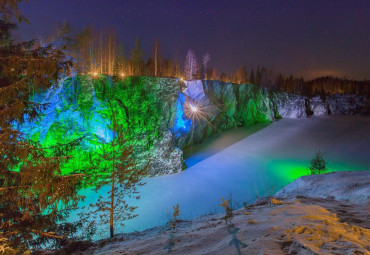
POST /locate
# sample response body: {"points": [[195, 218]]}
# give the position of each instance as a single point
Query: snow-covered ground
{"points": [[260, 164], [331, 186], [307, 225]]}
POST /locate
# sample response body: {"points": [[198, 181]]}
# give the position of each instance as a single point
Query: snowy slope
{"points": [[307, 225]]}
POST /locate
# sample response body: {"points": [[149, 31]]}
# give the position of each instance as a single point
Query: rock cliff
{"points": [[163, 115]]}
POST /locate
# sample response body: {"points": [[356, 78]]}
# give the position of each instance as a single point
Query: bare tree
{"points": [[156, 58], [206, 59], [191, 65]]}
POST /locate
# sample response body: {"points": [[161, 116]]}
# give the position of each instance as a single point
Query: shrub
{"points": [[228, 211], [176, 214]]}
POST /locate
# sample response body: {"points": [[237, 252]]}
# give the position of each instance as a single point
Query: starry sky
{"points": [[304, 38]]}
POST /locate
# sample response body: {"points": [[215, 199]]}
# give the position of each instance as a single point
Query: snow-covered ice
{"points": [[260, 164]]}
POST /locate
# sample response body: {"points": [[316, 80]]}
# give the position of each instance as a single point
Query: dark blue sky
{"points": [[309, 38]]}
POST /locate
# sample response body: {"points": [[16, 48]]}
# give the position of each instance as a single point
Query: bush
{"points": [[228, 211], [176, 214]]}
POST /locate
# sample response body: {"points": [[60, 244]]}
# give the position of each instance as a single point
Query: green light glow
{"points": [[78, 109]]}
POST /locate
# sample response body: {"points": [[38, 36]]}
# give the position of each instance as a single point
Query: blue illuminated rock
{"points": [[164, 115]]}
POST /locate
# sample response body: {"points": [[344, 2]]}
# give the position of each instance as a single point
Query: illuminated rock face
{"points": [[318, 107], [79, 108], [340, 104], [290, 106], [164, 157], [224, 105], [155, 111]]}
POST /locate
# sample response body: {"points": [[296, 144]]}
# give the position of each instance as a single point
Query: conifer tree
{"points": [[318, 164], [64, 36], [251, 77], [34, 196], [258, 77], [120, 62], [137, 58], [114, 165]]}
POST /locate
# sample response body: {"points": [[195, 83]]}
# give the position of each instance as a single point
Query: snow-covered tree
{"points": [[191, 65], [206, 59]]}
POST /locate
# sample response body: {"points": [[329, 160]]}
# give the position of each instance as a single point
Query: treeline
{"points": [[100, 52], [322, 86], [267, 78]]}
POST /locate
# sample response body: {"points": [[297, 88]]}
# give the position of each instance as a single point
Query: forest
{"points": [[100, 52]]}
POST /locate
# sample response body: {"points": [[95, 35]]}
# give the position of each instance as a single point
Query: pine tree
{"points": [[137, 58], [119, 68], [64, 37], [251, 77], [258, 77], [318, 164], [83, 44], [34, 196], [9, 11], [114, 165]]}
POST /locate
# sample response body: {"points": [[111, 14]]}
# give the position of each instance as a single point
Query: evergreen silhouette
{"points": [[34, 195], [318, 164]]}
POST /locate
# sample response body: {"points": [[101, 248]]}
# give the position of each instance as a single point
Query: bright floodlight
{"points": [[181, 79], [122, 74], [95, 74], [193, 108]]}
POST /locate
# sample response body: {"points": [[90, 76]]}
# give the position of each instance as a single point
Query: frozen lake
{"points": [[210, 146], [259, 164]]}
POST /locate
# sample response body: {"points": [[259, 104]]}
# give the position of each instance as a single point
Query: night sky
{"points": [[308, 38]]}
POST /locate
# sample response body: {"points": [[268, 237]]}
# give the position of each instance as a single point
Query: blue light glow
{"points": [[182, 124]]}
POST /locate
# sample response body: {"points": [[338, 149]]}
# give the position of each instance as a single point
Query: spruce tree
{"points": [[318, 164], [137, 58], [251, 77], [34, 195]]}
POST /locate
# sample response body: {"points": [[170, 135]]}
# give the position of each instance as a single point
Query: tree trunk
{"points": [[111, 222], [156, 60], [101, 52]]}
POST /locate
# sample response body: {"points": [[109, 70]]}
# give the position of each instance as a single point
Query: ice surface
{"points": [[259, 164]]}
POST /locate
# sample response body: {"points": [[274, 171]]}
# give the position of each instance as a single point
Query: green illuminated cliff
{"points": [[161, 115]]}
